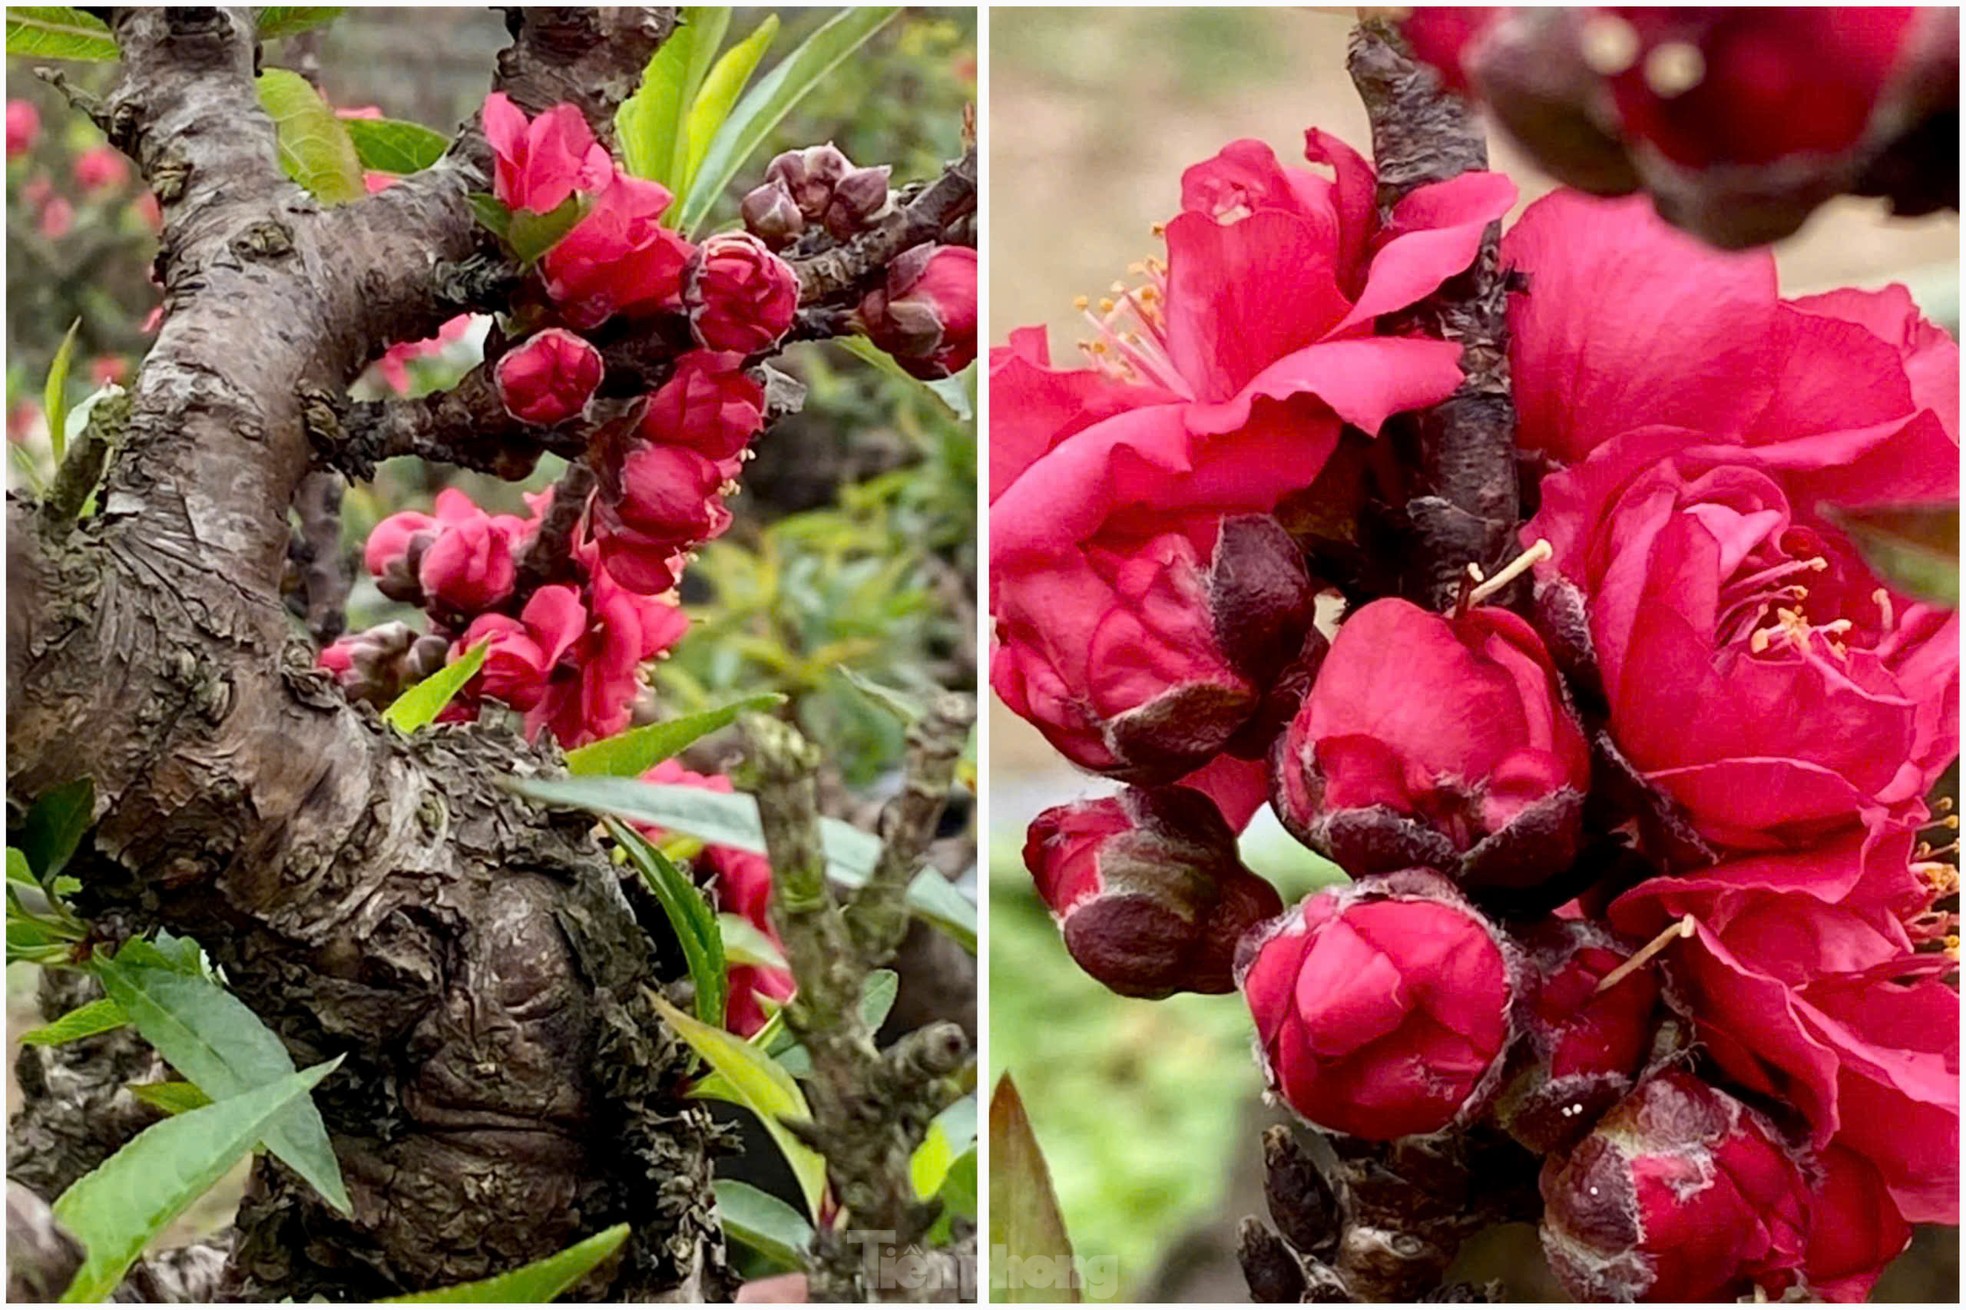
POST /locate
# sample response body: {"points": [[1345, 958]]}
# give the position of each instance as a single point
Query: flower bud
{"points": [[1145, 658], [100, 167], [23, 127], [858, 199], [1381, 1007], [459, 562], [1577, 1051], [1680, 1193], [549, 377], [379, 664], [395, 551], [809, 176], [709, 405], [739, 295], [772, 216], [924, 314], [1147, 889], [1481, 776]]}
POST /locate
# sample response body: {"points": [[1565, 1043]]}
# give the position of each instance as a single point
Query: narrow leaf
{"points": [[422, 703], [52, 32], [723, 819], [171, 1098], [531, 235], [710, 22], [211, 1037], [54, 395], [759, 1085], [1025, 1224], [744, 943], [646, 121], [635, 752], [390, 145], [18, 869], [956, 392], [747, 126], [1915, 548], [533, 1284], [899, 703], [764, 1223], [710, 106], [118, 1207], [98, 1016], [276, 21], [690, 915], [315, 148], [55, 825]]}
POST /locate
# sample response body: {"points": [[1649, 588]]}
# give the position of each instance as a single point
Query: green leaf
{"points": [[422, 703], [723, 819], [171, 1098], [492, 214], [710, 22], [55, 825], [18, 869], [54, 394], [899, 703], [635, 752], [315, 148], [710, 106], [390, 145], [36, 940], [533, 1284], [276, 21], [208, 1035], [1915, 548], [747, 126], [690, 915], [531, 235], [764, 1223], [118, 1207], [958, 1197], [51, 32], [745, 944], [757, 1083], [646, 121], [876, 999], [1025, 1223], [957, 392], [98, 1016]]}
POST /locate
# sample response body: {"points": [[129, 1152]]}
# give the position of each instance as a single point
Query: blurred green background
{"points": [[1149, 1112]]}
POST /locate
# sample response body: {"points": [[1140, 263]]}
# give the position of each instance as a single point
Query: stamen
{"points": [[1514, 569], [1943, 805], [1674, 68], [1942, 878], [1927, 851], [1684, 928], [1883, 598]]}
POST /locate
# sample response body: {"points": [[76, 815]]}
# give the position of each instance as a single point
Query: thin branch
{"points": [[945, 201], [549, 558], [877, 916]]}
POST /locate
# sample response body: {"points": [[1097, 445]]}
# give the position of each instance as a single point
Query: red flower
{"points": [[619, 259], [99, 167], [1680, 1193], [539, 164], [23, 127], [1143, 657], [709, 405], [672, 492], [549, 377], [1801, 983], [925, 313], [461, 561], [1483, 776], [740, 296], [1147, 889], [1382, 1007], [524, 652], [1855, 1229]]}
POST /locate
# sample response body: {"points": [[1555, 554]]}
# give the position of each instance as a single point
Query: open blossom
{"points": [[461, 560], [709, 404], [1739, 121], [743, 887], [1483, 776], [539, 163], [1802, 983], [740, 296], [1381, 1008], [1147, 889], [1681, 1193], [1144, 657], [1854, 1229], [618, 259], [924, 313], [549, 377]]}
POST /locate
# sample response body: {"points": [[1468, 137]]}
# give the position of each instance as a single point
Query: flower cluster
{"points": [[1637, 866]]}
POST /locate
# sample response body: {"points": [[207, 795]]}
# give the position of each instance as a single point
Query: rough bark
{"points": [[506, 1089]]}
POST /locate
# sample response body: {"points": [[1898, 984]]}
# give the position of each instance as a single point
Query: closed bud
{"points": [[740, 296], [1147, 889], [549, 377], [924, 313], [809, 177], [1577, 1051], [771, 215], [858, 199], [1381, 1007], [1680, 1193], [377, 664]]}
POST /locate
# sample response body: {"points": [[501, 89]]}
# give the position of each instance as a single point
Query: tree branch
{"points": [[877, 916], [943, 202]]}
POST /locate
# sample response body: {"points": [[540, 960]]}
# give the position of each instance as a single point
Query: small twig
{"points": [[550, 556], [878, 914], [947, 199]]}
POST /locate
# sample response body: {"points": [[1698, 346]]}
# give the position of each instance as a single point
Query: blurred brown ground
{"points": [[1093, 114]]}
